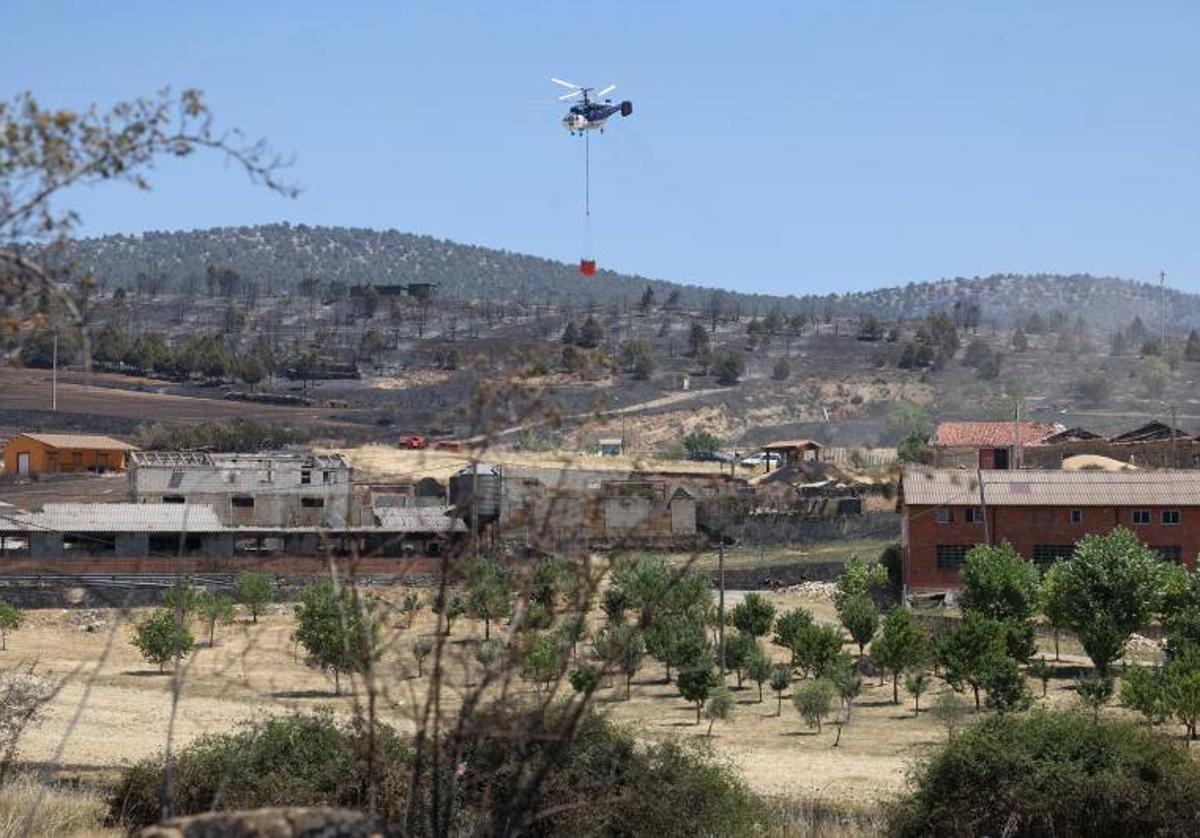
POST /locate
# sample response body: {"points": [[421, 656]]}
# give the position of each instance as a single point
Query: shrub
{"points": [[299, 760], [729, 365], [1052, 774]]}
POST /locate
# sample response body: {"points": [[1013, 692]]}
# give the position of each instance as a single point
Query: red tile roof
{"points": [[989, 434]]}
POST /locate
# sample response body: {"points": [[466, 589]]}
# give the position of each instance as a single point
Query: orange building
{"points": [[42, 453]]}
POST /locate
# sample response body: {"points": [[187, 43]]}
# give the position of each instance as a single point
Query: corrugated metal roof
{"points": [[117, 517], [417, 519], [990, 434], [145, 459], [1030, 487], [86, 441]]}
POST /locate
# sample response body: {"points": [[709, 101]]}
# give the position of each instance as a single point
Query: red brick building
{"points": [[1041, 513], [990, 445]]}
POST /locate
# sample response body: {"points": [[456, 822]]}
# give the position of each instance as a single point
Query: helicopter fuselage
{"points": [[592, 115]]}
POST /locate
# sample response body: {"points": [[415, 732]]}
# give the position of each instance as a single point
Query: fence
{"points": [[860, 456]]}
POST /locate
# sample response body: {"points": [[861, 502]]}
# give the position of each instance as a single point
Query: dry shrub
{"points": [[36, 810]]}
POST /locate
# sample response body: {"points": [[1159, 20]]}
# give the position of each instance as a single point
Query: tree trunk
{"points": [[337, 683], [254, 615], [896, 687], [838, 740], [710, 724], [760, 692], [487, 628], [975, 687], [699, 707], [212, 631], [818, 725], [628, 680], [1056, 657], [916, 706], [779, 707]]}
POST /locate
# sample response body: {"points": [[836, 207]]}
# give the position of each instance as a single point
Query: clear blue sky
{"points": [[782, 147]]}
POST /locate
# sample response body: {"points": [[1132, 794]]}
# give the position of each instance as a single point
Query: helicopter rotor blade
{"points": [[605, 91], [566, 83], [570, 95]]}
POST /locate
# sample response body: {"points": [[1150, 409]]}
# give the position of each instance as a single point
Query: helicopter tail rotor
{"points": [[626, 108]]}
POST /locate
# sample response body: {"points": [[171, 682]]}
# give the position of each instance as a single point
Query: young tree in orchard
{"points": [[753, 616], [422, 647], [787, 626], [739, 647], [254, 591], [759, 668], [214, 608], [917, 683], [410, 604], [697, 682], [781, 679], [861, 619], [902, 643], [813, 701], [817, 649], [487, 593], [451, 606], [1006, 688], [338, 629], [969, 652], [163, 637], [1111, 587], [719, 708], [11, 619], [1000, 585]]}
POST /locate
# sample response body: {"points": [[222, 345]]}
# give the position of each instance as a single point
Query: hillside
{"points": [[276, 257]]}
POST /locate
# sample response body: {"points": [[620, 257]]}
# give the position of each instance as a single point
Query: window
{"points": [[943, 515], [327, 476], [1169, 553], [1050, 553], [174, 499], [312, 503], [950, 556], [1076, 516], [243, 502], [305, 477], [1170, 517], [974, 515], [1141, 516]]}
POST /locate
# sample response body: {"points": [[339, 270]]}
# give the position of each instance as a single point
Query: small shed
{"points": [[795, 451], [27, 454]]}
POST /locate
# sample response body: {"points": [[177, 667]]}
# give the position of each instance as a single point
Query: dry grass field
{"points": [[114, 709]]}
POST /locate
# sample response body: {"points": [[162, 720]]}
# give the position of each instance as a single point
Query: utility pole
{"points": [[721, 590], [54, 375], [987, 535], [1162, 312]]}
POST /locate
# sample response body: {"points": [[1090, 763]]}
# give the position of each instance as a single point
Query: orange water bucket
{"points": [[587, 267]]}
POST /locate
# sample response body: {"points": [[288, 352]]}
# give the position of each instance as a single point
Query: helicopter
{"points": [[590, 113]]}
